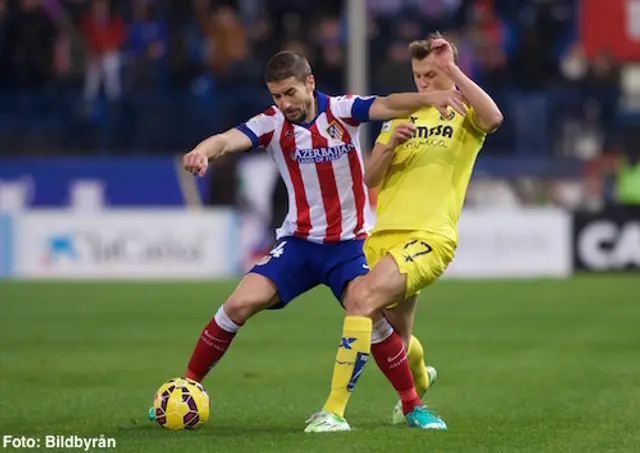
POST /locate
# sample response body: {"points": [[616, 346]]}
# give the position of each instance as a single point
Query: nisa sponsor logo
{"points": [[314, 155], [440, 130]]}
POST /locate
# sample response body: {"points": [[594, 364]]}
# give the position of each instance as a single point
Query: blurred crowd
{"points": [[123, 77], [107, 68], [156, 76]]}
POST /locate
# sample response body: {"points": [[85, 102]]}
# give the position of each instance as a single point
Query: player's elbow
{"points": [[494, 120]]}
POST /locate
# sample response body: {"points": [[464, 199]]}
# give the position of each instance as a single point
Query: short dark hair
{"points": [[287, 64], [423, 48]]}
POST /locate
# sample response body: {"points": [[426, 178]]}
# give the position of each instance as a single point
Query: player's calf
{"points": [[389, 353], [255, 293], [401, 317]]}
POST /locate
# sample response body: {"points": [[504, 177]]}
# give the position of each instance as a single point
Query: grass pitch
{"points": [[537, 366]]}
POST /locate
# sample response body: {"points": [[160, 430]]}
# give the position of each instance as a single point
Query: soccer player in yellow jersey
{"points": [[422, 165]]}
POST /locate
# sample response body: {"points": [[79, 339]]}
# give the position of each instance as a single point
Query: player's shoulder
{"points": [[272, 113]]}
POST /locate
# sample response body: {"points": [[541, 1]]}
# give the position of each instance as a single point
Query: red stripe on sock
{"points": [[213, 343], [391, 357]]}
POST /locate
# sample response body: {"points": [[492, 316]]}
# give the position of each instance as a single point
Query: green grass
{"points": [[539, 366]]}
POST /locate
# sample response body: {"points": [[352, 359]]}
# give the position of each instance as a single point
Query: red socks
{"points": [[391, 357], [213, 343], [389, 354]]}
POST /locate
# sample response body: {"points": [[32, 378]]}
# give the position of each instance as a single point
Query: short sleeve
{"points": [[471, 113], [260, 128], [386, 131], [353, 110]]}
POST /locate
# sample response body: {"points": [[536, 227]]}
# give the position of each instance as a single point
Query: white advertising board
{"points": [[513, 243], [135, 244]]}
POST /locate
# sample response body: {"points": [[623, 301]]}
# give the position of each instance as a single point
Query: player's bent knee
{"points": [[249, 299], [360, 299], [240, 309]]}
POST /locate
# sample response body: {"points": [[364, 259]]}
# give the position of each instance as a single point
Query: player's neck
{"points": [[313, 111]]}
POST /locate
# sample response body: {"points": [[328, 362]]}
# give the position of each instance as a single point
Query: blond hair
{"points": [[421, 49]]}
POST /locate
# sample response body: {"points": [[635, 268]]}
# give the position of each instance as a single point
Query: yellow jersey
{"points": [[425, 186]]}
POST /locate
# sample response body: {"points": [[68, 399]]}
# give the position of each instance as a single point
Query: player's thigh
{"points": [[421, 260], [382, 285], [402, 316], [253, 294], [339, 265], [288, 268]]}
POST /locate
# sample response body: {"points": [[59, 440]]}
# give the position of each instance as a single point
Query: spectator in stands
{"points": [[70, 51], [105, 35], [532, 63], [466, 52], [628, 172], [330, 59], [603, 85], [574, 65], [436, 14], [579, 132], [4, 44], [227, 46], [488, 34], [147, 46], [533, 71], [30, 38], [395, 76]]}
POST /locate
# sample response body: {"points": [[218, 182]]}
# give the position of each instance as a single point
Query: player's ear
{"points": [[311, 82]]}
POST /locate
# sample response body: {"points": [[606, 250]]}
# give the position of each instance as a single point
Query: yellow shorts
{"points": [[421, 256]]}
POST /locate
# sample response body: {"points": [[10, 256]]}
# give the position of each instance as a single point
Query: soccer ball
{"points": [[181, 403]]}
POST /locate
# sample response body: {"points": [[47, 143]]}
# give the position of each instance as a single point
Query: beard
{"points": [[296, 116], [299, 115]]}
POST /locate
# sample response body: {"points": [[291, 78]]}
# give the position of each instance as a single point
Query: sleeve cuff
{"points": [[360, 109], [249, 133]]}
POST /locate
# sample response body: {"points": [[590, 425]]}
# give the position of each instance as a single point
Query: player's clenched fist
{"points": [[402, 133], [196, 163]]}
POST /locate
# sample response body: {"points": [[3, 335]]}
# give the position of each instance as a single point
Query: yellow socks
{"points": [[350, 361], [415, 357]]}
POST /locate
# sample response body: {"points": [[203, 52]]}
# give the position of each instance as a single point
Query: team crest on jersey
{"points": [[335, 131], [452, 115]]}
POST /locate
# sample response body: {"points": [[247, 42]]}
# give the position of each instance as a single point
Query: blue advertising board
{"points": [[126, 181]]}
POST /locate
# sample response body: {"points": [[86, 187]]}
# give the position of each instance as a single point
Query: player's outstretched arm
{"points": [[218, 145], [486, 116], [404, 104], [384, 150]]}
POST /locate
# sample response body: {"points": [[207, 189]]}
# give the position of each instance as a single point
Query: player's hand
{"points": [[195, 163], [442, 100], [443, 54], [401, 134]]}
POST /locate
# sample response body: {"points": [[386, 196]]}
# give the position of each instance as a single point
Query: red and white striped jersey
{"points": [[321, 165]]}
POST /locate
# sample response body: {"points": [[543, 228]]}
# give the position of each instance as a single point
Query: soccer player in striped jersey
{"points": [[423, 163], [314, 140]]}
